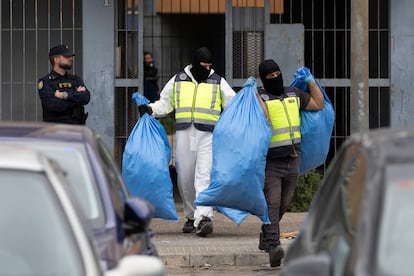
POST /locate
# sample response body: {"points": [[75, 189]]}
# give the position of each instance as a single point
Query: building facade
{"points": [[110, 36]]}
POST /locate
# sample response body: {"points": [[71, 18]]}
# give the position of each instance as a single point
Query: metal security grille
{"points": [[126, 72], [171, 32], [125, 119], [28, 30], [247, 53], [327, 53]]}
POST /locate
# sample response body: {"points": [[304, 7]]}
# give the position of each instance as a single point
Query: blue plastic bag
{"points": [[240, 142], [145, 164], [315, 126], [235, 215]]}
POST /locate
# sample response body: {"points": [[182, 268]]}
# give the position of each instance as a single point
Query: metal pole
{"points": [[229, 41], [359, 117], [1, 49], [141, 46]]}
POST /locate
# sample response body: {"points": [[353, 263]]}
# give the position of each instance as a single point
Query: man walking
{"points": [[283, 156], [198, 95]]}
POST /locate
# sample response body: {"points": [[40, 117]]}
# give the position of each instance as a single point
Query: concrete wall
{"points": [[99, 67], [402, 62]]}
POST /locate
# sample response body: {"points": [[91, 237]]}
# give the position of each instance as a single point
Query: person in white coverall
{"points": [[198, 95]]}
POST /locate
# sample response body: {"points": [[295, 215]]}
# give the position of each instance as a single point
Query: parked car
{"points": [[42, 229], [120, 222], [360, 219]]}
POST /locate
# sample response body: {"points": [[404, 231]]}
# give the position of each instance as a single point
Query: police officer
{"points": [[198, 95], [151, 90], [283, 156], [63, 95]]}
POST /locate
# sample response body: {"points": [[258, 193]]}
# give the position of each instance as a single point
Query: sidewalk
{"points": [[229, 244]]}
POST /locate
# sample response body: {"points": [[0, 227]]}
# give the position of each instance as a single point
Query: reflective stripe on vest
{"points": [[285, 119], [197, 103]]}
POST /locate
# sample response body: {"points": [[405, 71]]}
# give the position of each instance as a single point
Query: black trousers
{"points": [[281, 180]]}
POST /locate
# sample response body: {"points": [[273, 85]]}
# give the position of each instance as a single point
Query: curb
{"points": [[196, 260], [229, 245], [213, 255]]}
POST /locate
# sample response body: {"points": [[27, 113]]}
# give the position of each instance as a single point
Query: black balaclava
{"points": [[200, 73], [274, 85]]}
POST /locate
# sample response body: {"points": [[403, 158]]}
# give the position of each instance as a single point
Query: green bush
{"points": [[169, 123], [307, 186]]}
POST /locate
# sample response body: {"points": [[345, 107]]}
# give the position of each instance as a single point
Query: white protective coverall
{"points": [[194, 153]]}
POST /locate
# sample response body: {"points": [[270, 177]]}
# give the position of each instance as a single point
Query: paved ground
{"points": [[229, 246]]}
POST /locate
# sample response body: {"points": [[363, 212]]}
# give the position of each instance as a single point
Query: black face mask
{"points": [[199, 72], [274, 86]]}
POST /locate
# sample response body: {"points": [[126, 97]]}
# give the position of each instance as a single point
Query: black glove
{"points": [[144, 109]]}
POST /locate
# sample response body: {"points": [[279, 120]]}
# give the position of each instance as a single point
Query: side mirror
{"points": [[138, 265], [138, 215], [319, 265]]}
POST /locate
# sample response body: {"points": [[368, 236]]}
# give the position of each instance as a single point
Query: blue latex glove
{"points": [[304, 75], [251, 81], [139, 99], [309, 79]]}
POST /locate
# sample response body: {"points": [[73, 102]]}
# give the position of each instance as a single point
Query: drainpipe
{"points": [[359, 117]]}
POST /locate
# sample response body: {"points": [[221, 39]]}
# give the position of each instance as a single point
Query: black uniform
{"points": [[281, 174], [70, 110], [151, 90]]}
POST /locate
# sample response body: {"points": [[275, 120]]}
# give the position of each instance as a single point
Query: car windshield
{"points": [[36, 238], [73, 160], [396, 244]]}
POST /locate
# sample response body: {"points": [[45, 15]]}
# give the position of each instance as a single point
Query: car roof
{"points": [[26, 159], [43, 130]]}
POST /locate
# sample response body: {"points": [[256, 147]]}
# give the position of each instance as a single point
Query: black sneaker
{"points": [[189, 226], [205, 227], [276, 254]]}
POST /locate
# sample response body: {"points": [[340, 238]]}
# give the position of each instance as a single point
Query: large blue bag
{"points": [[315, 127], [145, 164], [240, 142]]}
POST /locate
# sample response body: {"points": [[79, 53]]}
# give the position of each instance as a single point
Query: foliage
{"points": [[307, 186], [169, 123]]}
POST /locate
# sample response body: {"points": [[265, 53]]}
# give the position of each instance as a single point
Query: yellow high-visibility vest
{"points": [[198, 103], [285, 119]]}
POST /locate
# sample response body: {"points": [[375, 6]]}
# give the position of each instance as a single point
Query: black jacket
{"points": [[68, 111]]}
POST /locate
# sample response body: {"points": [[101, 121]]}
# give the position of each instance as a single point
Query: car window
{"points": [[117, 187], [326, 193], [342, 209], [396, 221], [36, 238], [73, 160]]}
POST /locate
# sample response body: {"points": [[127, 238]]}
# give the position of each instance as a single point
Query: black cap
{"points": [[61, 50], [266, 67]]}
